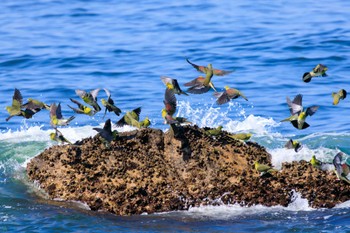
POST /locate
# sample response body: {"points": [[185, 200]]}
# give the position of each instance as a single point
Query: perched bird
{"points": [[338, 167], [263, 168], [82, 109], [214, 132], [56, 118], [145, 123], [293, 144], [227, 95], [240, 136], [203, 87], [172, 84], [298, 114], [58, 136], [130, 118], [319, 70], [199, 81], [315, 162], [15, 108], [106, 132], [90, 98], [109, 104], [340, 95], [204, 69]]}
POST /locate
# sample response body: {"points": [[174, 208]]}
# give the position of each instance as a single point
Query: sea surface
{"points": [[50, 48]]}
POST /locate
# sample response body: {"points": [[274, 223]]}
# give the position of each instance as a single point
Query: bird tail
{"points": [[70, 119], [7, 119]]}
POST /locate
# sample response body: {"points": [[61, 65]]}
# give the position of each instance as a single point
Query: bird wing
{"points": [[337, 163], [201, 69], [221, 72], [17, 98], [80, 93], [59, 111], [76, 110], [198, 89], [80, 106], [137, 111], [107, 92], [53, 109], [296, 106], [94, 93], [223, 98], [108, 126], [121, 122], [170, 101], [311, 110], [307, 77], [166, 80], [289, 144]]}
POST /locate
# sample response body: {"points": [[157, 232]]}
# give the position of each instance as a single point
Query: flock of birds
{"points": [[200, 85]]}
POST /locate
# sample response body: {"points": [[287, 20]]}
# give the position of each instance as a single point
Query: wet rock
{"points": [[149, 171]]}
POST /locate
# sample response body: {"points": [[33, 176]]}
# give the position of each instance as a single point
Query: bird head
{"points": [[220, 127], [87, 110], [227, 87], [164, 113], [52, 136], [169, 86], [104, 102]]}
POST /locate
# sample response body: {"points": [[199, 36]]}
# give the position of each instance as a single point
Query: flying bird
{"points": [[227, 95], [90, 98], [202, 87], [172, 84], [293, 144], [82, 109], [109, 104], [106, 132], [204, 69], [340, 95], [145, 123], [319, 70], [58, 136], [56, 118], [199, 81], [16, 108]]}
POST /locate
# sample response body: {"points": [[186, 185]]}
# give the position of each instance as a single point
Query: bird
{"points": [[315, 162], [204, 69], [298, 115], [319, 70], [130, 118], [106, 132], [240, 136], [293, 144], [109, 104], [199, 81], [263, 168], [90, 98], [227, 95], [338, 167], [172, 84], [145, 123], [340, 95], [58, 136], [35, 105], [16, 108], [56, 118], [202, 87], [214, 132], [82, 109]]}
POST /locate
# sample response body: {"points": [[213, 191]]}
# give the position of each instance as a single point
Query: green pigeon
{"points": [[90, 98], [172, 84], [293, 144], [130, 118], [58, 137], [109, 104], [227, 95], [240, 136], [298, 116], [199, 81], [82, 109], [106, 132], [263, 168], [15, 108], [315, 162], [35, 105], [145, 123], [214, 132], [203, 87], [56, 118], [204, 69], [319, 70], [338, 167], [340, 95]]}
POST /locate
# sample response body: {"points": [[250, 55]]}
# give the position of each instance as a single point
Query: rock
{"points": [[148, 171]]}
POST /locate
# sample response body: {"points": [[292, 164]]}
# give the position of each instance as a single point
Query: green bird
{"points": [[315, 162], [293, 144], [199, 81], [340, 95], [203, 87], [214, 132], [338, 167], [240, 136], [15, 108], [227, 95], [204, 69], [319, 70], [35, 105], [109, 104], [263, 168], [172, 84], [90, 98], [106, 132], [131, 118], [58, 137], [145, 123], [298, 116], [82, 109], [56, 118]]}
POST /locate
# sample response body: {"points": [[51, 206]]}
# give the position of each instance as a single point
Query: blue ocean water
{"points": [[49, 48]]}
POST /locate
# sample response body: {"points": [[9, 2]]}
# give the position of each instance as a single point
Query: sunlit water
{"points": [[50, 48]]}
